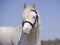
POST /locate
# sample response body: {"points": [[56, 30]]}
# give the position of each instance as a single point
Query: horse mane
{"points": [[35, 33]]}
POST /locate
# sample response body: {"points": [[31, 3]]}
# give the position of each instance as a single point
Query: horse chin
{"points": [[26, 32]]}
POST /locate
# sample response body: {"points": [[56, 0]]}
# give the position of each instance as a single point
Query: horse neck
{"points": [[33, 36], [30, 39]]}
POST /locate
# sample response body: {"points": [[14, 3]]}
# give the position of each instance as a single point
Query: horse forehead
{"points": [[29, 14], [32, 13]]}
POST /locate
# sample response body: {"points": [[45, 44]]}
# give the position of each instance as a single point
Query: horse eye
{"points": [[34, 17]]}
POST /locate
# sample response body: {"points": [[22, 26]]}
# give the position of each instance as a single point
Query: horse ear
{"points": [[25, 5], [34, 6]]}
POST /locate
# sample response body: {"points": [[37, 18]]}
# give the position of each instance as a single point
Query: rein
{"points": [[30, 22]]}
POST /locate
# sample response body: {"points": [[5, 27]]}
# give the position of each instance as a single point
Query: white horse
{"points": [[26, 34]]}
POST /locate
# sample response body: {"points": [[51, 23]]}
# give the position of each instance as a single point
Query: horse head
{"points": [[30, 18]]}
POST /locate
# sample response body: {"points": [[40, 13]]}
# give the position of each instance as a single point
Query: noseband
{"points": [[30, 22]]}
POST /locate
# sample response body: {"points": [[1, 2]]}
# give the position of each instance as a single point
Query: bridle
{"points": [[36, 20]]}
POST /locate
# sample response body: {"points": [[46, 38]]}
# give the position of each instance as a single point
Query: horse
{"points": [[28, 33], [30, 26]]}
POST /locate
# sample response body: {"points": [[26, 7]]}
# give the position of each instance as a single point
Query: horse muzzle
{"points": [[26, 31]]}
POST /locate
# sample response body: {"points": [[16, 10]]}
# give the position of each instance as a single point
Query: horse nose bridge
{"points": [[28, 19]]}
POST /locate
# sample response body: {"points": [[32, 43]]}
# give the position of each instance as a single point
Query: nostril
{"points": [[27, 28], [27, 31]]}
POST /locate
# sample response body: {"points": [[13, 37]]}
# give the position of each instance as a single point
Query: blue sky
{"points": [[11, 12]]}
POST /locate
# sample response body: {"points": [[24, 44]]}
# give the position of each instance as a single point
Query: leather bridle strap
{"points": [[27, 22], [30, 22]]}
